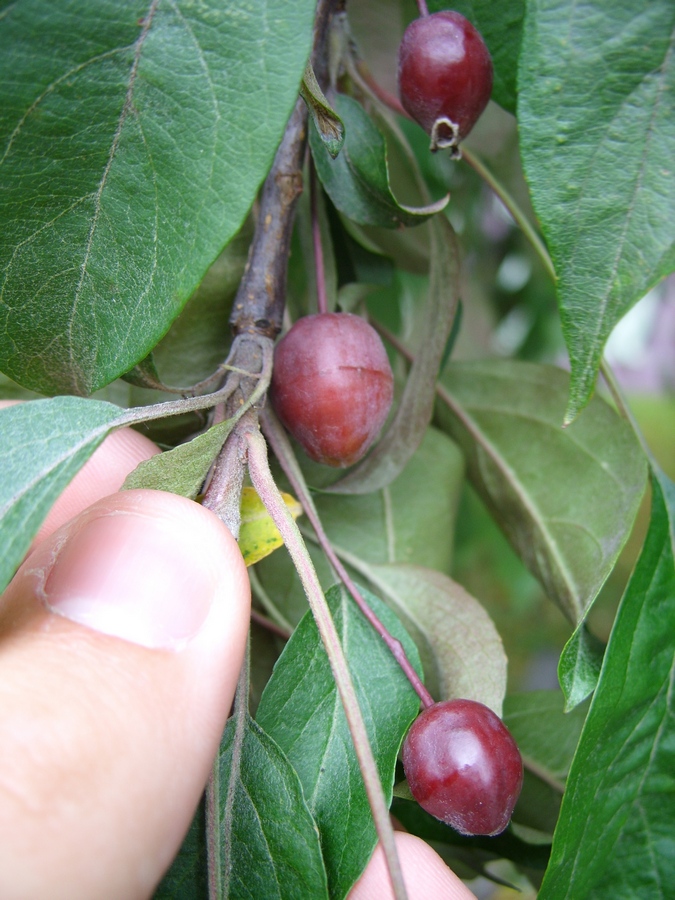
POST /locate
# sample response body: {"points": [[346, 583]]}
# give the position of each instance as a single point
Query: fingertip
{"points": [[146, 566], [133, 725], [424, 873]]}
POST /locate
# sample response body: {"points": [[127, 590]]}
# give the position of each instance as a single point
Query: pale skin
{"points": [[107, 738]]}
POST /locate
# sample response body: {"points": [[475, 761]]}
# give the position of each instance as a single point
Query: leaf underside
{"points": [[43, 444], [566, 498]]}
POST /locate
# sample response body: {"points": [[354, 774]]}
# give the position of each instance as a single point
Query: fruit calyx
{"points": [[445, 136]]}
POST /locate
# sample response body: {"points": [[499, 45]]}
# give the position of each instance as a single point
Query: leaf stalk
{"points": [[321, 299], [264, 484]]}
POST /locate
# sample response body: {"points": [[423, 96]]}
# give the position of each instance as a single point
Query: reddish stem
{"points": [[395, 646], [269, 625], [391, 338], [321, 298], [382, 94], [422, 7], [278, 442]]}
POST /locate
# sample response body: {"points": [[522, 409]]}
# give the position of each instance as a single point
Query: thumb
{"points": [[121, 639]]}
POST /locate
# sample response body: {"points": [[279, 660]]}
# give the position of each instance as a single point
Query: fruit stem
{"points": [[277, 439], [263, 482], [362, 75], [422, 7], [269, 625], [516, 212], [321, 299]]}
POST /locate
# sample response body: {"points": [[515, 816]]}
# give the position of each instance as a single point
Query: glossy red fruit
{"points": [[444, 76], [332, 386], [463, 766]]}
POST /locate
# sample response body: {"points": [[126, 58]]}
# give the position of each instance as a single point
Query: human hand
{"points": [[121, 639]]}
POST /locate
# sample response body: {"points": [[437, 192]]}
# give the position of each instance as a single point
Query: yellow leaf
{"points": [[258, 535]]}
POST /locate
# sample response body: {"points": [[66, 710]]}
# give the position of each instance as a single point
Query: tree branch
{"points": [[259, 304]]}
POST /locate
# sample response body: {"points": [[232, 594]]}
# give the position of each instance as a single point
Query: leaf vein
{"points": [[263, 836], [51, 87], [127, 107]]}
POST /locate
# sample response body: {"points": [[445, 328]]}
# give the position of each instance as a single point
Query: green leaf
{"points": [[270, 842], [465, 657], [616, 833], [301, 710], [183, 469], [358, 181], [134, 138], [412, 520], [326, 121], [579, 666], [501, 25], [43, 445], [565, 498], [596, 118], [415, 409], [471, 851], [546, 736], [187, 879]]}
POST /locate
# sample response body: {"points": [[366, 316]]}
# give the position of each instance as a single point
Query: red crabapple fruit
{"points": [[463, 766], [332, 386], [444, 76]]}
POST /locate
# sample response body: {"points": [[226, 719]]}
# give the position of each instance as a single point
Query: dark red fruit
{"points": [[463, 766], [332, 386], [444, 76]]}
